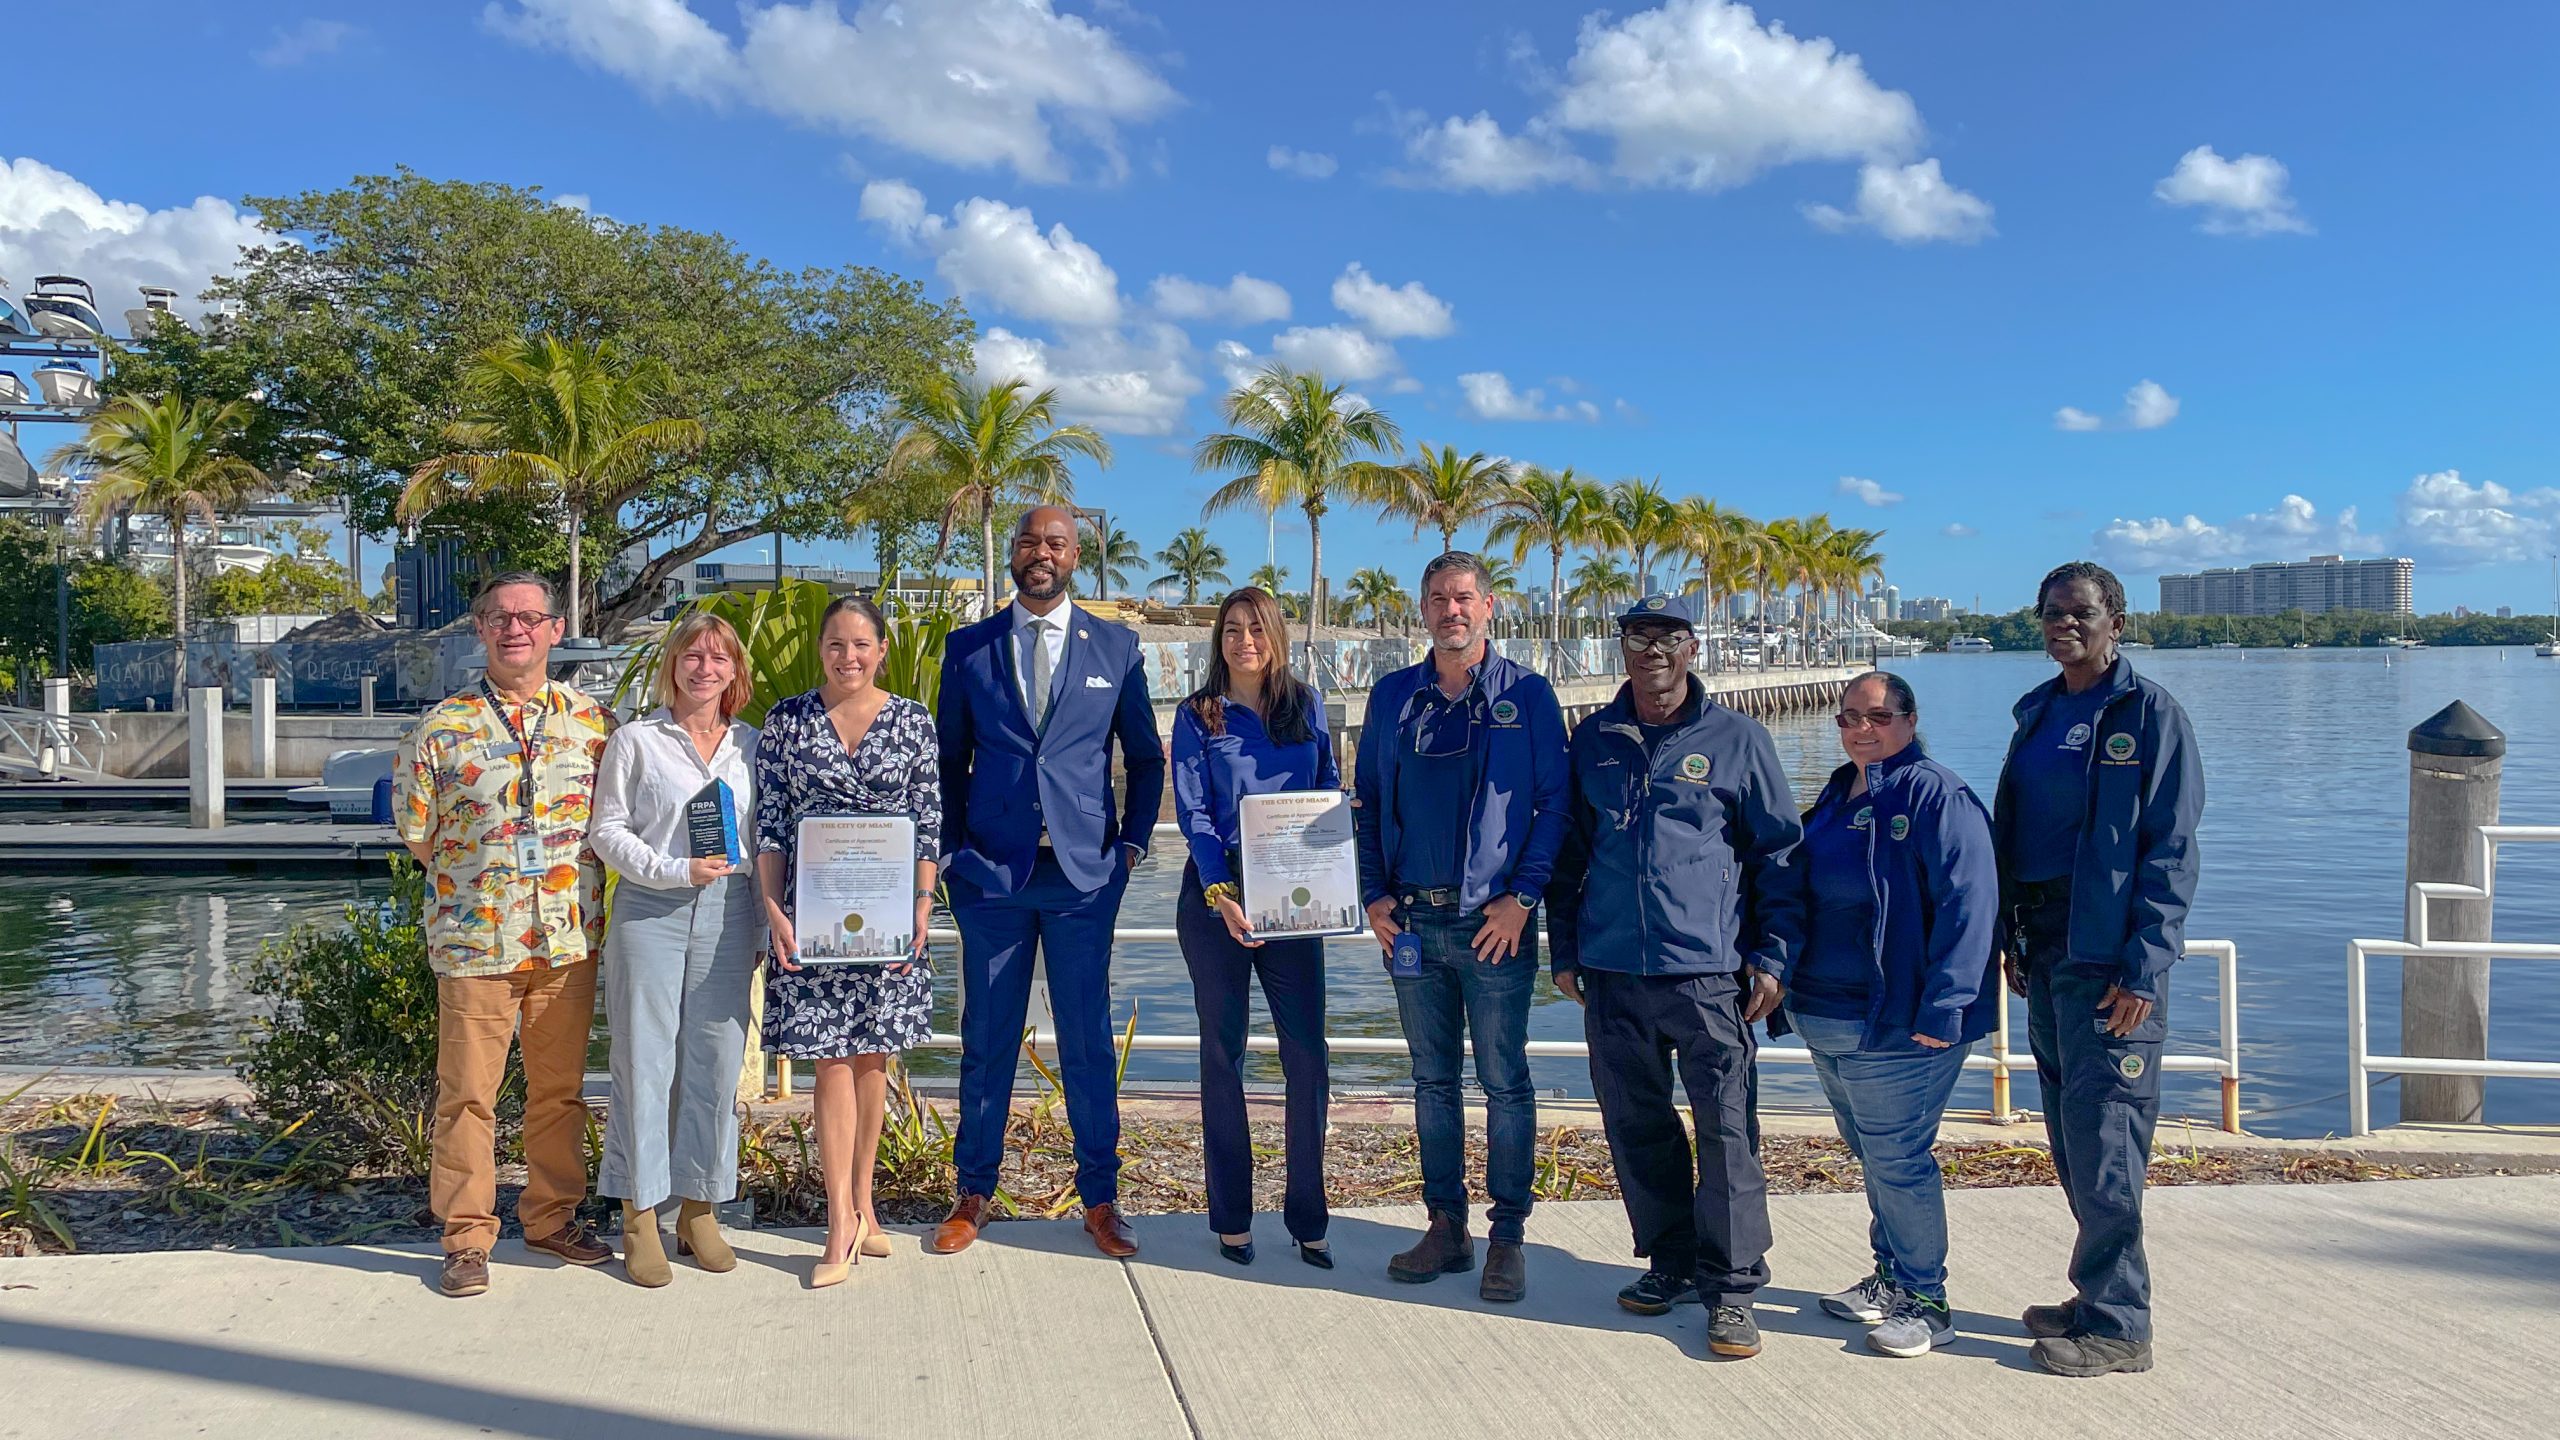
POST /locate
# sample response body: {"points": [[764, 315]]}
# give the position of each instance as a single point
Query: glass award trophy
{"points": [[711, 824]]}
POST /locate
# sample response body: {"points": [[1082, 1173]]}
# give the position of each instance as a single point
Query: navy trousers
{"points": [[1222, 976], [2101, 1101], [1072, 929], [1705, 1213]]}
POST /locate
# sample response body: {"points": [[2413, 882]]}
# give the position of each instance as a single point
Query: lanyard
{"points": [[526, 745]]}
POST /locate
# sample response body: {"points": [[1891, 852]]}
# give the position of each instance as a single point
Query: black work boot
{"points": [[1506, 1272], [1445, 1250], [2084, 1356]]}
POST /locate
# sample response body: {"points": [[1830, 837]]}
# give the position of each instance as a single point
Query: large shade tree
{"points": [[1292, 437], [986, 446], [173, 459]]}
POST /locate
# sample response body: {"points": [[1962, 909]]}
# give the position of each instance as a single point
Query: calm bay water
{"points": [[2306, 771]]}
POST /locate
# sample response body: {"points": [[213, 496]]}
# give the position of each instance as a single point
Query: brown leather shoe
{"points": [[961, 1228], [1110, 1233], [1444, 1249], [572, 1242], [466, 1272]]}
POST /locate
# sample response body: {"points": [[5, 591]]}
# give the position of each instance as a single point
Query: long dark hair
{"points": [[1288, 703]]}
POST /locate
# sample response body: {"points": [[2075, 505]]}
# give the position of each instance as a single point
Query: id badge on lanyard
{"points": [[529, 847]]}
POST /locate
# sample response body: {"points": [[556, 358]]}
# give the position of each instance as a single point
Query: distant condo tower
{"points": [[2315, 586]]}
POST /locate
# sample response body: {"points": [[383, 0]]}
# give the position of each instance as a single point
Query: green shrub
{"points": [[351, 1041]]}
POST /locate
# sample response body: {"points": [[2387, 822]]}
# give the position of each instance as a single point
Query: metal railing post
{"points": [[2359, 1097]]}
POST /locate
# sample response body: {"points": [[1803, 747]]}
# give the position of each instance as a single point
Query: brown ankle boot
{"points": [[644, 1254], [1445, 1250], [698, 1235]]}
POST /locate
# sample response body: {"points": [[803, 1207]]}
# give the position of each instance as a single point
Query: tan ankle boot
{"points": [[644, 1254], [698, 1235]]}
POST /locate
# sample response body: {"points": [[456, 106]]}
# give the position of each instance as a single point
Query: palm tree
{"points": [[1291, 436], [1557, 510], [1194, 560], [1850, 560], [1600, 580], [169, 457], [1501, 580], [1648, 522], [987, 446], [559, 421], [1109, 558], [1797, 559], [1377, 591], [1444, 490], [1270, 578]]}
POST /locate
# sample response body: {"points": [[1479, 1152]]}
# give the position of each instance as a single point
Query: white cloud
{"points": [[584, 204], [51, 224], [2453, 523], [293, 44], [1909, 204], [975, 83], [2147, 406], [1236, 362], [1867, 492], [1244, 299], [1338, 351], [2245, 196], [994, 251], [1489, 396], [1129, 384], [2293, 529], [1390, 312], [1305, 164], [1693, 95], [1958, 530]]}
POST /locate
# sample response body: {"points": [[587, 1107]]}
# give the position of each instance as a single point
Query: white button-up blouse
{"points": [[650, 769]]}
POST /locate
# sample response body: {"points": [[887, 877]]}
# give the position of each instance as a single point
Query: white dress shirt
{"points": [[1053, 635], [650, 769]]}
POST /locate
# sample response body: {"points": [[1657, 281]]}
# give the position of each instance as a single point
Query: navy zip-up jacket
{"points": [[1685, 865], [1517, 818], [1936, 881], [2134, 873]]}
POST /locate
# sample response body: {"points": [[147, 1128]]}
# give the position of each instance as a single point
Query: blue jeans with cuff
{"points": [[1456, 996]]}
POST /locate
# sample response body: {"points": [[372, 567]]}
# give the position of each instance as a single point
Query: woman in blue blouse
{"points": [[1893, 988], [1252, 728]]}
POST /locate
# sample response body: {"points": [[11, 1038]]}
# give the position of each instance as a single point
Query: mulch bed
{"points": [[150, 1177]]}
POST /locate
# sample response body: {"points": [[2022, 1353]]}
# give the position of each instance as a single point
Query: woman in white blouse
{"points": [[679, 951]]}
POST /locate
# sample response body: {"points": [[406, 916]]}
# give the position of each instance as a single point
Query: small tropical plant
{"points": [[779, 629]]}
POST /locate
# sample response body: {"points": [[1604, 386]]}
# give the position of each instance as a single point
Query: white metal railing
{"points": [[2419, 944], [44, 744]]}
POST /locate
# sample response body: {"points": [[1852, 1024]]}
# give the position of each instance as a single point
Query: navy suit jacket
{"points": [[1003, 783]]}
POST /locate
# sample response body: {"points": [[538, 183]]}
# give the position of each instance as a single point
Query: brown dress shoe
{"points": [[1445, 1249], [466, 1272], [1110, 1233], [572, 1242], [961, 1228]]}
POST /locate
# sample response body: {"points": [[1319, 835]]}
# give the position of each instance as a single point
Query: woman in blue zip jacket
{"points": [[2095, 823], [1894, 986]]}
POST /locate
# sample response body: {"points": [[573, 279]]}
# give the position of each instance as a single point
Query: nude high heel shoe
{"points": [[823, 1274]]}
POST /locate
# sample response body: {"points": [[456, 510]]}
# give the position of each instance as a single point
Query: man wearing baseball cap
{"points": [[1675, 914]]}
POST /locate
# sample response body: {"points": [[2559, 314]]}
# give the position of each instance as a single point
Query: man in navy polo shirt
{"points": [[1460, 795]]}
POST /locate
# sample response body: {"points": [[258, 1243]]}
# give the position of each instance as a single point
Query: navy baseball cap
{"points": [[1677, 609]]}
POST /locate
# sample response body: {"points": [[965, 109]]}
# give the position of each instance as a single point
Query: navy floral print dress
{"points": [[827, 1011]]}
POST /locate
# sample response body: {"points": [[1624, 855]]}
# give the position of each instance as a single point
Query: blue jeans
{"points": [[1454, 997], [1887, 1104]]}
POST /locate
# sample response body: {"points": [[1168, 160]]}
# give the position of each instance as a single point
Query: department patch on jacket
{"points": [[1695, 767], [2119, 749]]}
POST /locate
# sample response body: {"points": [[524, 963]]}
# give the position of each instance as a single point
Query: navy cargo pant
{"points": [[1704, 1214], [2101, 1100]]}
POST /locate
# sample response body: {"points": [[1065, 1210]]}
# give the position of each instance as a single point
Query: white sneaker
{"points": [[1866, 1302], [1913, 1327]]}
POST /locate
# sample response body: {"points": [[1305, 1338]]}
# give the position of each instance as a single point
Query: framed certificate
{"points": [[853, 896], [1301, 868]]}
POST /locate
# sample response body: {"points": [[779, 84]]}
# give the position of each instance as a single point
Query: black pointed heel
{"points": [[1319, 1257], [1241, 1254]]}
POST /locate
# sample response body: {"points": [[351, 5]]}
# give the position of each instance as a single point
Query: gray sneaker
{"points": [[1915, 1325], [1866, 1302]]}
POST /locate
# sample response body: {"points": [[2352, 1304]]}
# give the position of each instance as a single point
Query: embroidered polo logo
{"points": [[1504, 712], [1900, 829], [1866, 816], [2130, 1067], [1694, 767], [2076, 737], [2119, 748]]}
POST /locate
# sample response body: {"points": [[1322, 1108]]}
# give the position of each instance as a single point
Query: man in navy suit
{"points": [[1033, 699]]}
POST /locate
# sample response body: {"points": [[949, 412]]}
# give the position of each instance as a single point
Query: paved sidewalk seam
{"points": [[1146, 1316]]}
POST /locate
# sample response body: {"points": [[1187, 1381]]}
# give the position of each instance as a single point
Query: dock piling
{"points": [[262, 727], [204, 759], [364, 695], [2456, 758]]}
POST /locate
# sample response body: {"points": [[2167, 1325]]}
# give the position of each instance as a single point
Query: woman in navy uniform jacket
{"points": [[1893, 987], [2095, 821]]}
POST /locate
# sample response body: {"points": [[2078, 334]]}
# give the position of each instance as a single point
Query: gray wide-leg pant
{"points": [[679, 970]]}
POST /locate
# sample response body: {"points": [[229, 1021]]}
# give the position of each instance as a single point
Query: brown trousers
{"points": [[476, 1017]]}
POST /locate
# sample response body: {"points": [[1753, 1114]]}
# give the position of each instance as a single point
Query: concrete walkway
{"points": [[2416, 1307]]}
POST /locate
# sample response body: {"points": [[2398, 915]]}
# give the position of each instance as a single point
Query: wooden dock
{"points": [[234, 849]]}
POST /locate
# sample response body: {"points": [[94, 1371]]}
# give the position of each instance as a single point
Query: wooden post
{"points": [[2456, 758]]}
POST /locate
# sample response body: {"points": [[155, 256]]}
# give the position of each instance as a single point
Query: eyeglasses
{"points": [[1862, 719], [1667, 642], [502, 621], [1445, 729]]}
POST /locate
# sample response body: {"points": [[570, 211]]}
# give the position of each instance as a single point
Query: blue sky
{"points": [[2288, 268]]}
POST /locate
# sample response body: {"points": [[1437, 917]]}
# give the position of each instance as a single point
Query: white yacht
{"points": [[159, 306], [13, 390], [11, 322], [17, 477], [67, 383], [1969, 645], [64, 307]]}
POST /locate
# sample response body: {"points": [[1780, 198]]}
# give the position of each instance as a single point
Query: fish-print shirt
{"points": [[460, 776]]}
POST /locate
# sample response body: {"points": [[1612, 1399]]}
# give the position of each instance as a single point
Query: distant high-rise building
{"points": [[1929, 607], [2315, 586], [2506, 612]]}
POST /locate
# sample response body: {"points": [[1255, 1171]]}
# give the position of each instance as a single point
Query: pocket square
{"points": [[1096, 682]]}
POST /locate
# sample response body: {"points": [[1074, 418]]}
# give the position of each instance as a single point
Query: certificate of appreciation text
{"points": [[1301, 868], [853, 893]]}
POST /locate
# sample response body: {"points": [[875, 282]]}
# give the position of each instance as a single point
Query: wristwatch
{"points": [[1526, 901]]}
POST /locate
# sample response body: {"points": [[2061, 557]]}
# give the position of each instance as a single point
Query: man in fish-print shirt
{"points": [[495, 789]]}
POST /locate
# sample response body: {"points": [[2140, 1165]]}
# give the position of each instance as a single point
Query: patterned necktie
{"points": [[1038, 633]]}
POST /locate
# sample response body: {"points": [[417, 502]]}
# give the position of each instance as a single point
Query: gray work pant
{"points": [[679, 969]]}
